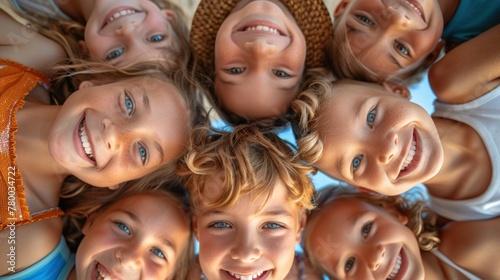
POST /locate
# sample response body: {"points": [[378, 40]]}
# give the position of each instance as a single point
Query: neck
{"points": [[78, 10]]}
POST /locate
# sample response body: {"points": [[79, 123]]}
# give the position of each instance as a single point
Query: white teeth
{"points": [[410, 155], [245, 277], [85, 142], [263, 28], [414, 7], [120, 14], [395, 269], [101, 274]]}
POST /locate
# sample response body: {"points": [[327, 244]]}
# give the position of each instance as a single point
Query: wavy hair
{"points": [[248, 161]]}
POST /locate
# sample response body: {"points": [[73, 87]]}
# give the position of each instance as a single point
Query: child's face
{"points": [[112, 133], [128, 31], [351, 239], [393, 37], [250, 239], [376, 139], [259, 60], [140, 237]]}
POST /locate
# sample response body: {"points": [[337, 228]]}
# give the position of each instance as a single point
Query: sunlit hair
{"points": [[422, 221], [79, 204], [246, 161]]}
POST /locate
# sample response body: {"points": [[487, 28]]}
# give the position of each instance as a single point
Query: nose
{"points": [[129, 257], [260, 47], [127, 29], [376, 257], [113, 133], [246, 249], [398, 17], [387, 147]]}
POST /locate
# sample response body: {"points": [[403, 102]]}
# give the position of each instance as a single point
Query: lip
{"points": [[416, 159], [264, 275], [78, 142], [417, 5], [256, 20], [114, 11], [99, 265], [404, 266]]}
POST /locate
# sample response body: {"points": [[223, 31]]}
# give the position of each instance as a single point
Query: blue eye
{"points": [[349, 264], [129, 104], [114, 54], [402, 49], [281, 74], [365, 230], [370, 118], [356, 162], [220, 225], [143, 153], [235, 70], [364, 20], [156, 38], [123, 227], [272, 226], [158, 253]]}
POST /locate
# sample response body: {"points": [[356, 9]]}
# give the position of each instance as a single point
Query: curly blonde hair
{"points": [[248, 161], [422, 221], [78, 207]]}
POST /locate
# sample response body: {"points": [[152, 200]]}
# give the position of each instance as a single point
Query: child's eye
{"points": [[114, 54], [356, 162], [129, 104], [220, 225], [235, 70], [365, 230], [349, 264], [364, 20], [370, 118], [158, 253], [123, 227], [402, 49], [281, 74], [143, 153], [272, 226], [156, 38]]}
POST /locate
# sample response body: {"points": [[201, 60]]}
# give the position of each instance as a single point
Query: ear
{"points": [[194, 221], [302, 225], [396, 214], [89, 222], [397, 89], [341, 7], [86, 84], [434, 55], [169, 14], [83, 47]]}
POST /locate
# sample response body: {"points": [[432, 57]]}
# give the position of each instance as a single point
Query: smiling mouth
{"points": [[263, 28], [119, 14], [85, 141], [100, 272], [416, 8], [258, 275], [410, 155], [396, 268]]}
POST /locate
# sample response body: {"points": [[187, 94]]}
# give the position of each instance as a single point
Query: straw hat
{"points": [[311, 16]]}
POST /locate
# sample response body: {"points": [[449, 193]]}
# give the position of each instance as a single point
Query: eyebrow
{"points": [[283, 213], [159, 149]]}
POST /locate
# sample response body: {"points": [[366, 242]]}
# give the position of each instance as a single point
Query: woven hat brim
{"points": [[312, 17]]}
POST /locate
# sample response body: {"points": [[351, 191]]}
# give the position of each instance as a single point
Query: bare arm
{"points": [[468, 71], [26, 46]]}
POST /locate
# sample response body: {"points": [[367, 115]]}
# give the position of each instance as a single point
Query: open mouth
{"points": [[100, 272], [85, 141], [118, 13], [261, 26], [257, 276], [416, 7], [396, 268], [412, 157]]}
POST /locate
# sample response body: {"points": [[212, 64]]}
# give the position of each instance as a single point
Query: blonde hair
{"points": [[422, 221], [78, 206], [248, 161]]}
